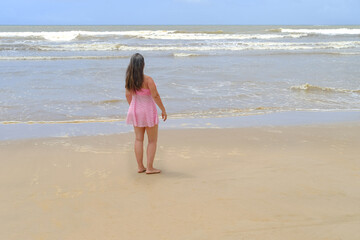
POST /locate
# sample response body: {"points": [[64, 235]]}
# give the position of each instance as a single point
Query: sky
{"points": [[180, 12]]}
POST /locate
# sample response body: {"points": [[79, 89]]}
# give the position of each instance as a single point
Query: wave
{"points": [[19, 47], [66, 36], [61, 36], [211, 113], [226, 112], [299, 45], [146, 34], [312, 88], [51, 36], [104, 102], [65, 121], [330, 31], [179, 35], [331, 53], [60, 57], [276, 30], [186, 55], [231, 46], [206, 32], [307, 53]]}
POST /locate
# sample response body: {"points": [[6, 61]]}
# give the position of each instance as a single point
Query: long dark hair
{"points": [[135, 73]]}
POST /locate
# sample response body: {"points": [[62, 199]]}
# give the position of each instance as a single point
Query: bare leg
{"points": [[138, 146], [152, 133]]}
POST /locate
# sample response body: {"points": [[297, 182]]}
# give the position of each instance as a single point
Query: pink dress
{"points": [[142, 110]]}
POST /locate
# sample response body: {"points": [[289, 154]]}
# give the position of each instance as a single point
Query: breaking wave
{"points": [[312, 88], [146, 34], [60, 57], [232, 46], [202, 32], [330, 31], [186, 55], [64, 121], [210, 113]]}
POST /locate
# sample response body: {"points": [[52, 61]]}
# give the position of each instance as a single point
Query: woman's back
{"points": [[142, 111]]}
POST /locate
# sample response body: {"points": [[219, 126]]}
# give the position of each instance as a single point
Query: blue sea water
{"points": [[73, 75]]}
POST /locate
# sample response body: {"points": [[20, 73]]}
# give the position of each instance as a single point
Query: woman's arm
{"points": [[128, 96], [156, 96]]}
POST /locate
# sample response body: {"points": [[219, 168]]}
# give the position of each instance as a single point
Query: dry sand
{"points": [[299, 182]]}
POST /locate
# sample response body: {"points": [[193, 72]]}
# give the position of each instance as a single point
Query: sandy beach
{"points": [[283, 182]]}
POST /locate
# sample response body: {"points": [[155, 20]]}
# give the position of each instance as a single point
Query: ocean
{"points": [[74, 75]]}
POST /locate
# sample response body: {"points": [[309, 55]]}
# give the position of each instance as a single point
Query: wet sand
{"points": [[283, 182]]}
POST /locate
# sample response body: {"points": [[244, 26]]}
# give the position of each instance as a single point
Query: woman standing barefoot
{"points": [[141, 94]]}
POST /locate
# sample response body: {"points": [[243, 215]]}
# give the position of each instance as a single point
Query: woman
{"points": [[141, 94]]}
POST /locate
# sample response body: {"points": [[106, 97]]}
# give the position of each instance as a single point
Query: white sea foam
{"points": [[146, 34], [185, 55], [60, 57], [59, 36], [313, 88], [175, 35], [333, 31], [64, 121], [68, 36], [229, 46], [51, 36]]}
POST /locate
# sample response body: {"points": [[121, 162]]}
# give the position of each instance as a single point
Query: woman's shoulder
{"points": [[148, 80]]}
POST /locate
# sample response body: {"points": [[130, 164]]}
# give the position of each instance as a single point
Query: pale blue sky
{"points": [[168, 12]]}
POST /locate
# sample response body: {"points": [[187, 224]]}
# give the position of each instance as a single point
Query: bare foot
{"points": [[141, 170], [152, 171]]}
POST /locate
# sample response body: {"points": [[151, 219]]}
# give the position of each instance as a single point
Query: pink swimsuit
{"points": [[142, 110]]}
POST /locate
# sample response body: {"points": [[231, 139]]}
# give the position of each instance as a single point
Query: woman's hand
{"points": [[164, 115]]}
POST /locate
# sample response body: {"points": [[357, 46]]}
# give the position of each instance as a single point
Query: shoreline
{"points": [[20, 131], [269, 182]]}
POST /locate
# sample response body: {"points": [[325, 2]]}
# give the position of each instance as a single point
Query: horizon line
{"points": [[179, 24]]}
